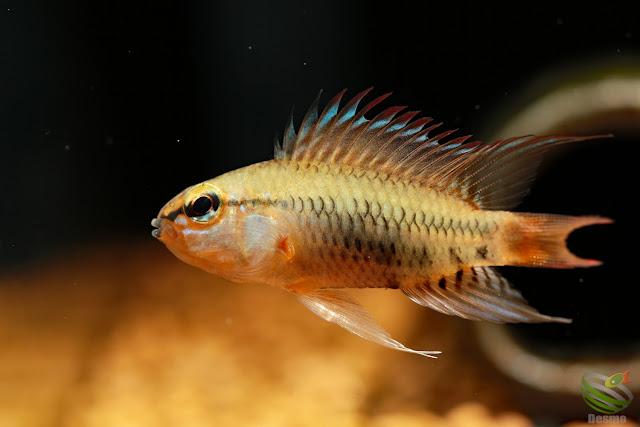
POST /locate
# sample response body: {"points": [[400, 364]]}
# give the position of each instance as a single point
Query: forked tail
{"points": [[539, 240]]}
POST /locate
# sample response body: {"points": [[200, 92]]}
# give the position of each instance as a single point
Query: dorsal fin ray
{"points": [[308, 123], [488, 176]]}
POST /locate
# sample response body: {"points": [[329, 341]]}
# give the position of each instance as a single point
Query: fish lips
{"points": [[157, 223], [163, 229]]}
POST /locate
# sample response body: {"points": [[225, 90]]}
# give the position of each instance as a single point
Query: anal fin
{"points": [[339, 307], [477, 293]]}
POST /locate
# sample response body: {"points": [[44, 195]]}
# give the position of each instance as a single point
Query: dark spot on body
{"points": [[454, 257], [346, 243], [459, 277], [482, 251], [423, 257], [392, 247], [358, 245], [442, 283], [392, 282]]}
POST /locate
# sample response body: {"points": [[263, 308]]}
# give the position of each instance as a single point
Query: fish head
{"points": [[196, 228], [205, 226]]}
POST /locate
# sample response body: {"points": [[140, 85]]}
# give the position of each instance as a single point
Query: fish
{"points": [[616, 379], [349, 202]]}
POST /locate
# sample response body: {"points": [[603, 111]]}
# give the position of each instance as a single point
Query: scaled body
{"points": [[355, 203], [353, 228]]}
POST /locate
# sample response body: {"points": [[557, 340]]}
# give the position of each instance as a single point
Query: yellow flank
{"points": [[354, 228]]}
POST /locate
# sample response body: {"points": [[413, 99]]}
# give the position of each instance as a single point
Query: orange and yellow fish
{"points": [[349, 202], [616, 379]]}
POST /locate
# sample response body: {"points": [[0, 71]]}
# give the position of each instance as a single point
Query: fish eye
{"points": [[205, 204], [202, 203]]}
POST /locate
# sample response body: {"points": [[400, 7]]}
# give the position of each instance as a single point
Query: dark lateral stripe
{"points": [[171, 216], [255, 202]]}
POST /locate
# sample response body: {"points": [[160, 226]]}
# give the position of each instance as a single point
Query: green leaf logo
{"points": [[607, 395]]}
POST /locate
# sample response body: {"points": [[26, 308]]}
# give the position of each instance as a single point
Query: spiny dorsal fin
{"points": [[489, 176]]}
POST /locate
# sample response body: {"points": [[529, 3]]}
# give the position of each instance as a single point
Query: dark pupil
{"points": [[202, 205]]}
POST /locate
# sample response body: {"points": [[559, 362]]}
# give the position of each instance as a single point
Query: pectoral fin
{"points": [[264, 237], [340, 308], [478, 293]]}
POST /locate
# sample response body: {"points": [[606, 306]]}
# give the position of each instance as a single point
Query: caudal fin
{"points": [[539, 240]]}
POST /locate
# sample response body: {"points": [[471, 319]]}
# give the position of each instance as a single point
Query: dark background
{"points": [[110, 108]]}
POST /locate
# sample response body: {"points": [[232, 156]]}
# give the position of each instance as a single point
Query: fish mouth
{"points": [[157, 223]]}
